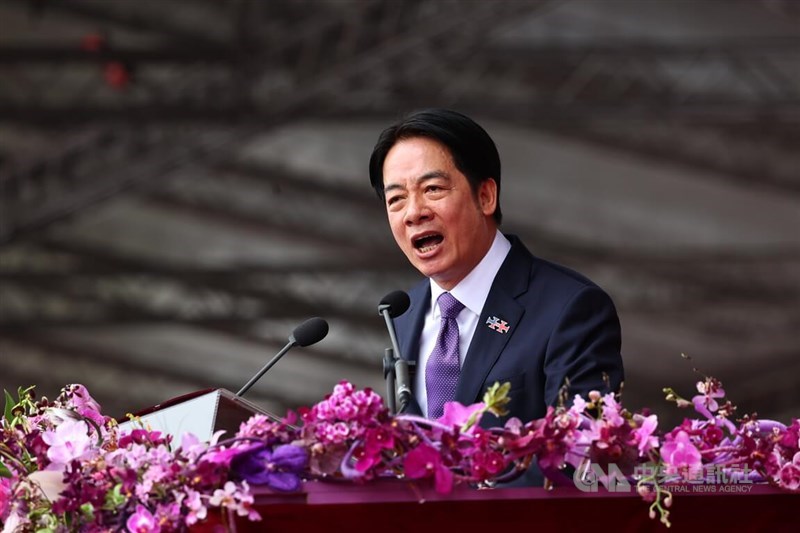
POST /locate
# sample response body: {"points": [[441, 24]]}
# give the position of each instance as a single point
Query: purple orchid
{"points": [[705, 403], [112, 480], [279, 469]]}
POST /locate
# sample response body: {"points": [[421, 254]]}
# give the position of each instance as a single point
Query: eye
{"points": [[393, 200]]}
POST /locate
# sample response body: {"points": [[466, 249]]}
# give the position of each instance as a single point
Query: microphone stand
{"points": [[402, 371], [389, 376], [292, 343], [398, 383], [395, 369]]}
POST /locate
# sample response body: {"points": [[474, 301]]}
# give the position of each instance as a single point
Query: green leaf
{"points": [[496, 398], [4, 471], [114, 498], [9, 407], [87, 510]]}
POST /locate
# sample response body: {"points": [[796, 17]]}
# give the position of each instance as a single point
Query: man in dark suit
{"points": [[489, 310]]}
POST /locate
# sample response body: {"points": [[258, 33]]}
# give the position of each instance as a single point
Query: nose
{"points": [[417, 210]]}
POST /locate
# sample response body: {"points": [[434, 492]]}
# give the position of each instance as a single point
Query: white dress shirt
{"points": [[471, 291]]}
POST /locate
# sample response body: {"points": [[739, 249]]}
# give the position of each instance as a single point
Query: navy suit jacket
{"points": [[560, 326]]}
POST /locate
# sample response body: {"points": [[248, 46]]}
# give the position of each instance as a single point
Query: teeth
{"points": [[433, 241]]}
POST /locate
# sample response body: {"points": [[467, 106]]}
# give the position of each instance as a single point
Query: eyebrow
{"points": [[434, 174]]}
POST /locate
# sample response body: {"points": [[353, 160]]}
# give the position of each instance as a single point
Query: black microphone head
{"points": [[309, 332], [396, 302]]}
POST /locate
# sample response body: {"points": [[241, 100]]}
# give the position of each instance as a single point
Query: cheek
{"points": [[398, 229]]}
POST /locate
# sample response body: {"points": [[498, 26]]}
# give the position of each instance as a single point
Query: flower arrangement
{"points": [[66, 467], [63, 466]]}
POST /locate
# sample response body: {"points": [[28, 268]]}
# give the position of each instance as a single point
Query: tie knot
{"points": [[449, 306]]}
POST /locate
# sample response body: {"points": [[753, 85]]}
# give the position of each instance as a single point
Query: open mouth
{"points": [[426, 243]]}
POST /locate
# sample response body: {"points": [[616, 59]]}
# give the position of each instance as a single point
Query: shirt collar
{"points": [[473, 290]]}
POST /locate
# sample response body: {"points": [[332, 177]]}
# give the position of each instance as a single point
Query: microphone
{"points": [[309, 332], [393, 305]]}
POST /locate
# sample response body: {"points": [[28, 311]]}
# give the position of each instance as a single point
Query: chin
{"points": [[438, 275], [435, 269], [426, 271]]}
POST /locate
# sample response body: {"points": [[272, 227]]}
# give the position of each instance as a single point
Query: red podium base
{"points": [[386, 507]]}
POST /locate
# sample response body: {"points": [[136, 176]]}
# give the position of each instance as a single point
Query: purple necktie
{"points": [[443, 368]]}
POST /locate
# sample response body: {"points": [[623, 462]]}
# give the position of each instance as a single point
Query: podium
{"points": [[389, 506], [399, 506], [202, 412]]}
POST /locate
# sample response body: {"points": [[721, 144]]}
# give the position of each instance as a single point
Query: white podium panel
{"points": [[201, 413]]}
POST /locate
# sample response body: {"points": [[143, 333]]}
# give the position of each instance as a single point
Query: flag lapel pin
{"points": [[501, 326]]}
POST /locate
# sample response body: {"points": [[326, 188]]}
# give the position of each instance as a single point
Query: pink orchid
{"points": [[364, 460], [6, 483], [168, 513], [457, 415], [369, 454], [578, 405], [197, 511], [681, 456], [224, 455], [142, 521], [791, 435], [143, 436], [486, 464], [235, 497], [69, 440], [256, 426], [378, 439], [425, 461], [225, 495], [644, 437], [611, 410], [85, 405], [789, 474], [192, 446]]}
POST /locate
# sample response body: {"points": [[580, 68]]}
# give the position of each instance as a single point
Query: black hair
{"points": [[473, 151]]}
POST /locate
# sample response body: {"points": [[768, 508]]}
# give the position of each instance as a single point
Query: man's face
{"points": [[442, 227]]}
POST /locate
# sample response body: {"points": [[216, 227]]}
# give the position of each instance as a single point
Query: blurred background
{"points": [[184, 182]]}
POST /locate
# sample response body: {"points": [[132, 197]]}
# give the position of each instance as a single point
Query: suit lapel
{"points": [[487, 344], [413, 320], [408, 336]]}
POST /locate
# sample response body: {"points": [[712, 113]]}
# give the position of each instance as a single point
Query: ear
{"points": [[487, 196]]}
